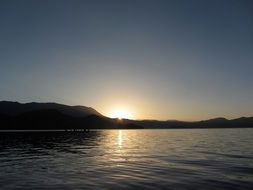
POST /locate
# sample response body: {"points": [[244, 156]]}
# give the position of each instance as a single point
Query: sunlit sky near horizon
{"points": [[153, 59]]}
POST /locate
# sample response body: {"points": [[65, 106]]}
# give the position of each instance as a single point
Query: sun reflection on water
{"points": [[120, 139]]}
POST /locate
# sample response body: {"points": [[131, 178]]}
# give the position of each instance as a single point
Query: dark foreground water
{"points": [[128, 159]]}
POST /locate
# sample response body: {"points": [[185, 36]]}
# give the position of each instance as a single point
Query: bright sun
{"points": [[120, 114]]}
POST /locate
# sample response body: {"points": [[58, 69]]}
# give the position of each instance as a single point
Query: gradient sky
{"points": [[171, 59]]}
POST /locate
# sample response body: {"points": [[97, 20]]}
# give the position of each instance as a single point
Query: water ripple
{"points": [[147, 159]]}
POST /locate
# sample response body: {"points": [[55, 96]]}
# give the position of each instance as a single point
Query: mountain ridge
{"points": [[33, 115], [16, 108]]}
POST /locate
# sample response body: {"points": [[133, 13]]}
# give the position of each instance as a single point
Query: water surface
{"points": [[128, 159]]}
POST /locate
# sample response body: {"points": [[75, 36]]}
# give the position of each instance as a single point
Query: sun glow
{"points": [[120, 114]]}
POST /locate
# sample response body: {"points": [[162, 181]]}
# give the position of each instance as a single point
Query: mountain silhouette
{"points": [[47, 116], [243, 122], [16, 108]]}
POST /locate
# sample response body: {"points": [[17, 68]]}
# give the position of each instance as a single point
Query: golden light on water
{"points": [[120, 138]]}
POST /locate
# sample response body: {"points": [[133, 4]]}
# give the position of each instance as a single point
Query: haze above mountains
{"points": [[39, 116]]}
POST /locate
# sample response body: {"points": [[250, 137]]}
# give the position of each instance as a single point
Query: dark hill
{"points": [[34, 116], [45, 116], [243, 122], [16, 108]]}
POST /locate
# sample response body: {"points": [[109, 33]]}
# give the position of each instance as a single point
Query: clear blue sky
{"points": [[171, 59]]}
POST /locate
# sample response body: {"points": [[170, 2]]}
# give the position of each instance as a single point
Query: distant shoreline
{"points": [[34, 116], [90, 130]]}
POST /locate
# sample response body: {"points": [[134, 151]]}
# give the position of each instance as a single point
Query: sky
{"points": [[156, 59]]}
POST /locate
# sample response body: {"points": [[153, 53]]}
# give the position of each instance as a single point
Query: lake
{"points": [[127, 159]]}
